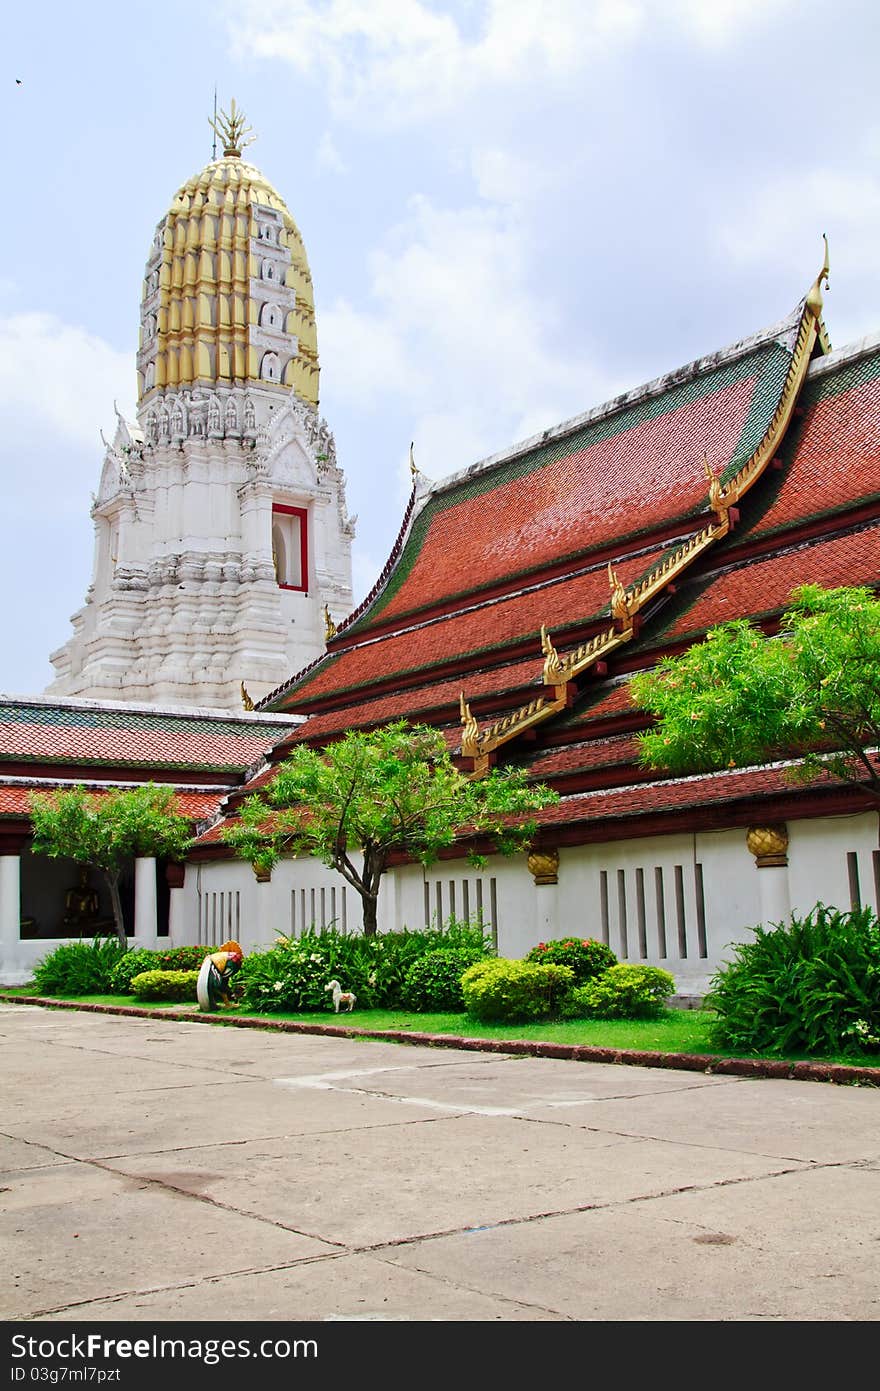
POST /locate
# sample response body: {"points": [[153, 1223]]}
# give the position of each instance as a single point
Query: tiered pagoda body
{"points": [[222, 540]]}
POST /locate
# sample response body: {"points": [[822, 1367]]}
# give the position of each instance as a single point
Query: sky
{"points": [[512, 210]]}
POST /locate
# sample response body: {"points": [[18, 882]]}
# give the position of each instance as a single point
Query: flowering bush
{"points": [[131, 963], [586, 957], [291, 976]]}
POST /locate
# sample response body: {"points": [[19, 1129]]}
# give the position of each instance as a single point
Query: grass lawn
{"points": [[673, 1031]]}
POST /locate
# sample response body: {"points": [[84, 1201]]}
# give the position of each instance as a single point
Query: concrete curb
{"points": [[841, 1073]]}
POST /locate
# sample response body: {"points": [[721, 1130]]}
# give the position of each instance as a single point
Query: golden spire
{"points": [[232, 130], [619, 604], [552, 665], [245, 698], [814, 298], [716, 492], [329, 625], [470, 737]]}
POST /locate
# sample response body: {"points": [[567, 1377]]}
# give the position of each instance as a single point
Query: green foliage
{"points": [[586, 957], [292, 974], [433, 982], [808, 985], [738, 698], [388, 791], [78, 968], [105, 829], [623, 991], [163, 959], [165, 985], [504, 990]]}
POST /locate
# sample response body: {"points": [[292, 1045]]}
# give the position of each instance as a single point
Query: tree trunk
{"points": [[113, 883], [369, 904]]}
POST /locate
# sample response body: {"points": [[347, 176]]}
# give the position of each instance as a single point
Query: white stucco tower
{"points": [[222, 540]]}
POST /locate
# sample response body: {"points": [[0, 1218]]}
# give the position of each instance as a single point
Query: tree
{"points": [[394, 790], [104, 830], [739, 698]]}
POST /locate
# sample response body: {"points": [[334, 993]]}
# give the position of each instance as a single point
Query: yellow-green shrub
{"points": [[622, 992], [165, 985], [501, 990]]}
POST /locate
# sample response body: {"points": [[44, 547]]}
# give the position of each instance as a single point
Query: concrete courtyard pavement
{"points": [[156, 1170]]}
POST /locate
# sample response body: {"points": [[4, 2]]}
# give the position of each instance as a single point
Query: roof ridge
{"points": [[194, 712], [656, 386]]}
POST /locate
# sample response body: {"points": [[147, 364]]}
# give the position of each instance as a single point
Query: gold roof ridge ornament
{"points": [[246, 701], [620, 609], [233, 131], [716, 492], [553, 675], [470, 733], [814, 297], [329, 625]]}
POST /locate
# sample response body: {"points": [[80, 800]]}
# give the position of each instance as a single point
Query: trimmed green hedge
{"points": [[623, 991], [165, 985], [502, 990]]}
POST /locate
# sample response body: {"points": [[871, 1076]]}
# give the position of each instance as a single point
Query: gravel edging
{"points": [[574, 1052]]}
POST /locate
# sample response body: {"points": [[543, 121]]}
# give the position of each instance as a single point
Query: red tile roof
{"points": [[15, 800], [48, 732]]}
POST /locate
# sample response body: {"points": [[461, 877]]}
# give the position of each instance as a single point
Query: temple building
{"points": [[518, 600], [222, 539]]}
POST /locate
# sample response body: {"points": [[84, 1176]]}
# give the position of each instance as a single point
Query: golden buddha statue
{"points": [[81, 902]]}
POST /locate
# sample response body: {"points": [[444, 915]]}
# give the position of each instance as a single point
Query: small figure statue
{"points": [[81, 902], [215, 976], [342, 999]]}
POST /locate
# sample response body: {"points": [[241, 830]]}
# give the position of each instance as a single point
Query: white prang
{"points": [[184, 602]]}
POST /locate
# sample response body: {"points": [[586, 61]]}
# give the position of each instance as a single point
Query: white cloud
{"points": [[452, 329], [784, 225], [61, 377], [402, 60], [328, 157]]}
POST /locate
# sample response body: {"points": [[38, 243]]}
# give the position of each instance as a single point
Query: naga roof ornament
{"points": [[553, 674], [470, 737]]}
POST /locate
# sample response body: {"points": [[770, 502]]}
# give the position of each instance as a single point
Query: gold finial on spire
{"points": [[552, 665], [619, 603], [232, 130], [716, 492], [814, 298], [245, 698], [329, 625], [470, 737]]}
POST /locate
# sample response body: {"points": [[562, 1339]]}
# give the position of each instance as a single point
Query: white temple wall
{"points": [[679, 902], [607, 891]]}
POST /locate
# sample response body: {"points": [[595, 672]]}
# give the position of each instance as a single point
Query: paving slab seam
{"points": [[457, 1285], [839, 1073]]}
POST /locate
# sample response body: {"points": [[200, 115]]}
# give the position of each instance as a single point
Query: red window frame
{"points": [[303, 515]]}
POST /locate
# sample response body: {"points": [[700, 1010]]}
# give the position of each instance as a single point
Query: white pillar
{"points": [[544, 869], [145, 900], [10, 912], [176, 919], [769, 845]]}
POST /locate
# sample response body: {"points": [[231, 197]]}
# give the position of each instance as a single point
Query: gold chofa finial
{"points": [[412, 463], [814, 298], [716, 492], [245, 698], [470, 735], [329, 625], [552, 665], [232, 130], [619, 602]]}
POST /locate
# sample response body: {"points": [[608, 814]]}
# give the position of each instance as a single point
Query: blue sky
{"points": [[512, 211]]}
